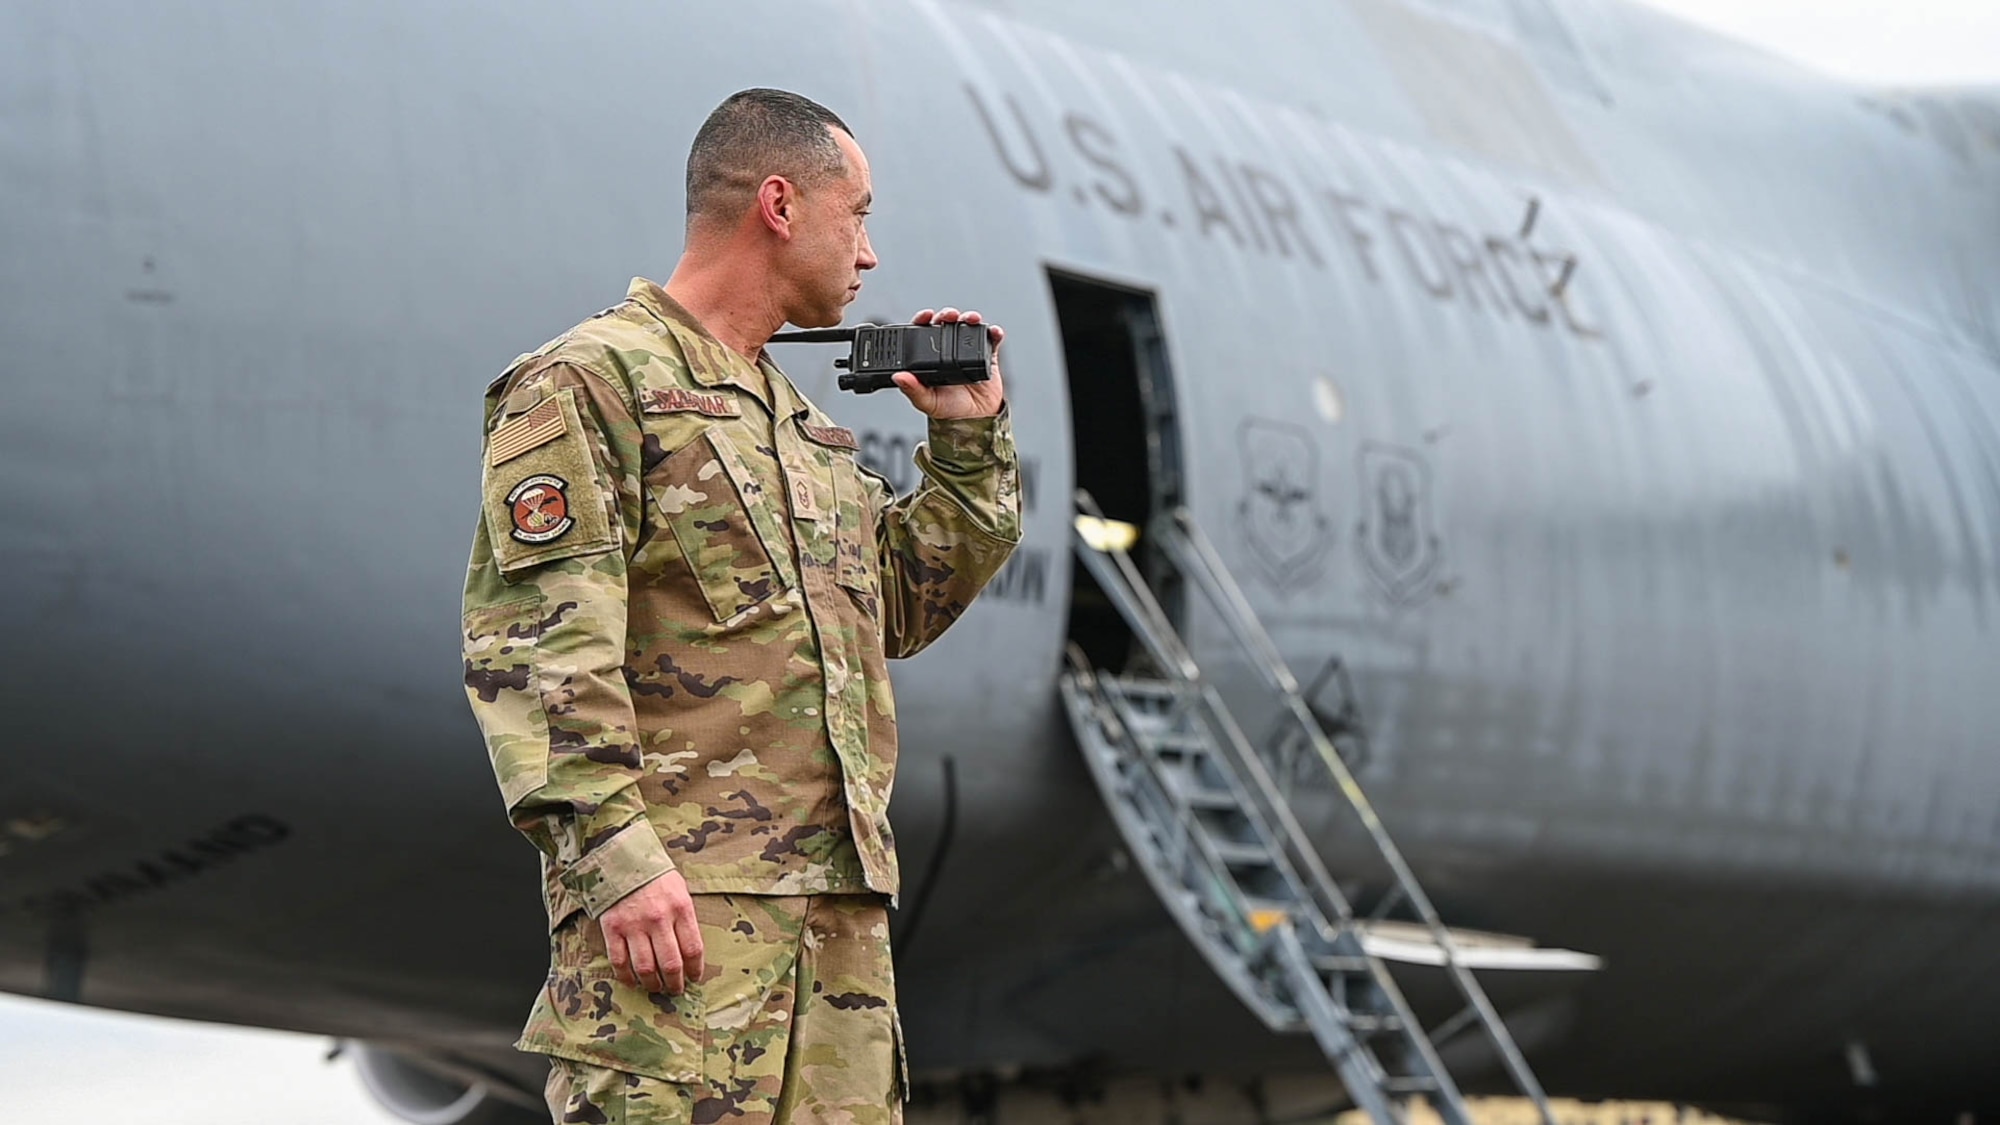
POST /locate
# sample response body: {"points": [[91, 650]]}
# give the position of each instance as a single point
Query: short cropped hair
{"points": [[758, 133]]}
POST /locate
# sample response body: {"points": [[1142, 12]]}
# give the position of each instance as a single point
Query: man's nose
{"points": [[866, 259]]}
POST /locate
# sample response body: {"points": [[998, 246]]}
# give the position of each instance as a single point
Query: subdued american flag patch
{"points": [[537, 427]]}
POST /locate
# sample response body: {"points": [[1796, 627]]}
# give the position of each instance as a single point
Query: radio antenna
{"points": [[815, 336]]}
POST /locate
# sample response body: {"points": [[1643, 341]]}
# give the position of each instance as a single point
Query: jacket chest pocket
{"points": [[719, 516]]}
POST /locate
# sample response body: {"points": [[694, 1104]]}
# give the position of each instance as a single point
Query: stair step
{"points": [[1340, 963], [1178, 742], [1147, 689], [1263, 914], [1218, 800], [1236, 853], [1368, 1023], [1197, 793]]}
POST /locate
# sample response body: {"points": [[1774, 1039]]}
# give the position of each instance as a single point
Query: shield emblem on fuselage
{"points": [[1279, 515], [1397, 537]]}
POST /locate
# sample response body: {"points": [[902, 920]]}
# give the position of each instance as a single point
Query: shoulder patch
{"points": [[840, 437], [679, 400], [540, 506], [544, 498], [537, 427]]}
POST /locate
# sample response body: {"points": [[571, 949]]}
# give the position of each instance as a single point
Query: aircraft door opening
{"points": [[1125, 441]]}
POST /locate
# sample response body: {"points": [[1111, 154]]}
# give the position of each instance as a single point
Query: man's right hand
{"points": [[652, 938]]}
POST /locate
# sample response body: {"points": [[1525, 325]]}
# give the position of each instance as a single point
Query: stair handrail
{"points": [[1223, 592], [1305, 868], [1320, 901]]}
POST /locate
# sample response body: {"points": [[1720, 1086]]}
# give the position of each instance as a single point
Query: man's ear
{"points": [[777, 201]]}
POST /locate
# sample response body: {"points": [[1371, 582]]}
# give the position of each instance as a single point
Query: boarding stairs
{"points": [[1204, 815]]}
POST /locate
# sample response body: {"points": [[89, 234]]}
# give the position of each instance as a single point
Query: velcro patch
{"points": [[804, 505], [540, 506], [537, 427], [680, 400], [839, 437], [547, 502]]}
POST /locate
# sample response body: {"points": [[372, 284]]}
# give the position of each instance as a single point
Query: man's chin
{"points": [[824, 319]]}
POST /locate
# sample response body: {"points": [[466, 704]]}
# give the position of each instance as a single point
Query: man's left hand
{"points": [[964, 400]]}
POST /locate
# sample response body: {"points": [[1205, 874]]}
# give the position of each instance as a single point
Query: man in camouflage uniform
{"points": [[681, 601]]}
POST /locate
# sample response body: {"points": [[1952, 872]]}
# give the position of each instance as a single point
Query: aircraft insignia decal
{"points": [[1398, 543], [1279, 515]]}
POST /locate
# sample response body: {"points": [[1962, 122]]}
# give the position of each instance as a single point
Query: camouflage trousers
{"points": [[794, 1020]]}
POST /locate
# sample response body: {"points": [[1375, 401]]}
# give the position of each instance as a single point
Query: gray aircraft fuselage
{"points": [[1621, 404]]}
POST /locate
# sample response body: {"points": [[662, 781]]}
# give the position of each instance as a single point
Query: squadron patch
{"points": [[541, 508]]}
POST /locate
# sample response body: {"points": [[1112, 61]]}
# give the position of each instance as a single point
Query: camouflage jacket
{"points": [[681, 600]]}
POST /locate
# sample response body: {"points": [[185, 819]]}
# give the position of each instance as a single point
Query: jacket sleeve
{"points": [[939, 546], [545, 629]]}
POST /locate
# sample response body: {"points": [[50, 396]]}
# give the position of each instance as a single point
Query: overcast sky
{"points": [[59, 1063], [1892, 41]]}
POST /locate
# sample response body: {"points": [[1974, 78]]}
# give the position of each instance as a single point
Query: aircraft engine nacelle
{"points": [[424, 1091]]}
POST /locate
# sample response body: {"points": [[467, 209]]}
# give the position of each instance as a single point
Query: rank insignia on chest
{"points": [[680, 400], [804, 505], [540, 506]]}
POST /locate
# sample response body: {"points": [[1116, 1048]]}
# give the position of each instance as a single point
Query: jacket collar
{"points": [[710, 362]]}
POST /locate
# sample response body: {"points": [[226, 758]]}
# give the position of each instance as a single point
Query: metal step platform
{"points": [[1217, 839]]}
